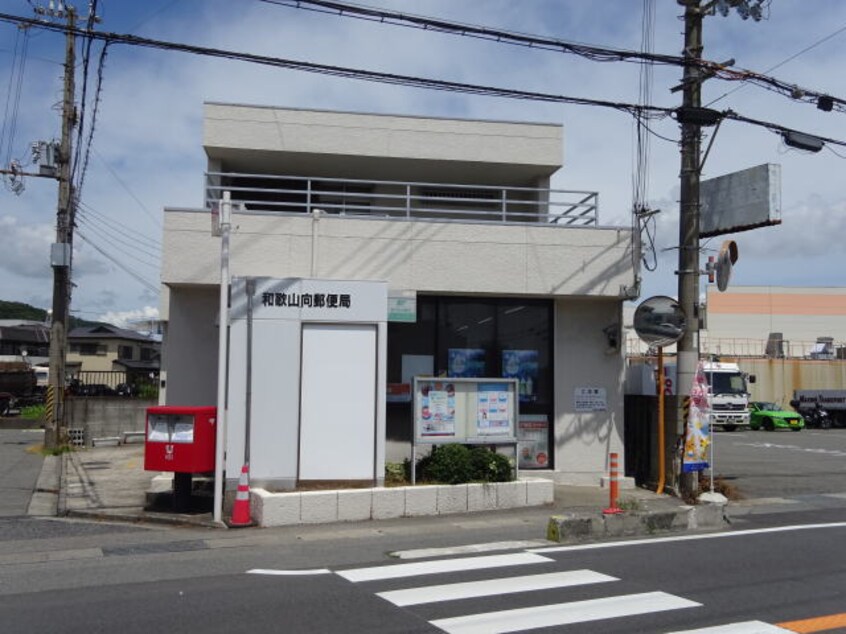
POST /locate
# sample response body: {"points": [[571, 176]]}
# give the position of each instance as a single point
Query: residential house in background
{"points": [[104, 348], [22, 339]]}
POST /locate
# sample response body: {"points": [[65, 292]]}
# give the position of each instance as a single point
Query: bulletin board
{"points": [[468, 411], [465, 410]]}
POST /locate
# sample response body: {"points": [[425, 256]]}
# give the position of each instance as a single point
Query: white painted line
{"points": [[686, 538], [563, 613], [289, 573], [397, 571], [421, 553], [473, 589], [745, 627]]}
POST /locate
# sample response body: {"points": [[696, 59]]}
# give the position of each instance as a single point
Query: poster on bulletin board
{"points": [[493, 410]]}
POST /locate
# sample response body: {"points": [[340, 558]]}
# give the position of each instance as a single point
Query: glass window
{"points": [[474, 337]]}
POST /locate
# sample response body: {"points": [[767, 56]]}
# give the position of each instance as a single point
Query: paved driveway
{"points": [[764, 464]]}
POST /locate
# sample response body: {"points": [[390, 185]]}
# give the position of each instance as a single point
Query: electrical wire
{"points": [[144, 282], [386, 78], [92, 126], [16, 76], [783, 62], [126, 188], [640, 180], [594, 53], [104, 234], [131, 234], [395, 18]]}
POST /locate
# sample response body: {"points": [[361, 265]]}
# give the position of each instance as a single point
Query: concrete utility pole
{"points": [[60, 253], [691, 137]]}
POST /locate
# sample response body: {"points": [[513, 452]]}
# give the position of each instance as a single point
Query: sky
{"points": [[146, 152]]}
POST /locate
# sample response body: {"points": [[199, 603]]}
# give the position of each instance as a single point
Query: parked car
{"points": [[769, 416], [94, 389]]}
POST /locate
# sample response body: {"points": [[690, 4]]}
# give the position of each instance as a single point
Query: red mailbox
{"points": [[180, 439]]}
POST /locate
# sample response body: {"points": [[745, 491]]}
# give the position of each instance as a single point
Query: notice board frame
{"points": [[466, 411]]}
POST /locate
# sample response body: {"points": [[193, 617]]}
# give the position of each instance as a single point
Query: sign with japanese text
{"points": [[590, 399], [310, 299]]}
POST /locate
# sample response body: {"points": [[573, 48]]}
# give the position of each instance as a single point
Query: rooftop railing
{"points": [[400, 200]]}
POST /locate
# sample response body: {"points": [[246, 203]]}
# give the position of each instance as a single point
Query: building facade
{"points": [[776, 321], [490, 272]]}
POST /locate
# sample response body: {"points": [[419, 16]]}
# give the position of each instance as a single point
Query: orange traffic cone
{"points": [[241, 508]]}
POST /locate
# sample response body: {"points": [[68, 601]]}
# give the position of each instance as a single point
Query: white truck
{"points": [[729, 394], [729, 389]]}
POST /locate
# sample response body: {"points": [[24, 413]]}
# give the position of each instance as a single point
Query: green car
{"points": [[770, 416]]}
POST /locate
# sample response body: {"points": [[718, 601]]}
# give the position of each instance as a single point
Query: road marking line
{"points": [[473, 589], [289, 573], [421, 553], [397, 571], [818, 624], [563, 613], [744, 627], [686, 538]]}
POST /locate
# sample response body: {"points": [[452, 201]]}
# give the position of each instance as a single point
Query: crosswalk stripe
{"points": [[744, 627], [474, 589], [563, 613], [396, 571]]}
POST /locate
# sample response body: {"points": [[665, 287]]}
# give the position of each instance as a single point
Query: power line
{"points": [[346, 72], [147, 284], [784, 61], [389, 78], [594, 53], [126, 188], [104, 233], [122, 230]]}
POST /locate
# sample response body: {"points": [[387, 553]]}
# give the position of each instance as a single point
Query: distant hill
{"points": [[19, 310]]}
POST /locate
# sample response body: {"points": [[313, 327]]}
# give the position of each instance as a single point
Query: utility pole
{"points": [[60, 252], [688, 273]]}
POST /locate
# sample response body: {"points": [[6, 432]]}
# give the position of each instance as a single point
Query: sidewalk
{"points": [[110, 483]]}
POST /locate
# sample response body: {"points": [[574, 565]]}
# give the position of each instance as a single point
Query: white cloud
{"points": [[122, 319]]}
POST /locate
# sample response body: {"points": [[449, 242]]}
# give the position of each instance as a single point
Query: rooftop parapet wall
{"points": [[241, 136]]}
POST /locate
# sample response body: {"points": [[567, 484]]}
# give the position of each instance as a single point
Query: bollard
{"points": [[613, 509]]}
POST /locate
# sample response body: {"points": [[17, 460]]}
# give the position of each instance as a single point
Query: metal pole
{"points": [[60, 255], [688, 280], [662, 445], [222, 356], [251, 288]]}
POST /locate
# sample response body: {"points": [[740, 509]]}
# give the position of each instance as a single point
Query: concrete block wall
{"points": [[105, 417], [318, 507]]}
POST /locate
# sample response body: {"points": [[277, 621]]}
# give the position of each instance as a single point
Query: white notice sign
{"points": [[590, 399]]}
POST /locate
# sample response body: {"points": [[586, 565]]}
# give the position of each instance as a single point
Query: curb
{"points": [[582, 527], [141, 516]]}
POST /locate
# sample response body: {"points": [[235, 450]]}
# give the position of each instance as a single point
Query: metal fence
{"points": [[113, 383], [402, 200]]}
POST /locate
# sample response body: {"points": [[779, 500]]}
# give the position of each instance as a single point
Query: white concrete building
{"points": [[483, 262]]}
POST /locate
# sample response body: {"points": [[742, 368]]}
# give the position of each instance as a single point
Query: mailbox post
{"points": [[181, 440]]}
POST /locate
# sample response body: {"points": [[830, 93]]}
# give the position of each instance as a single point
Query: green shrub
{"points": [[489, 466], [397, 473], [449, 464], [458, 464]]}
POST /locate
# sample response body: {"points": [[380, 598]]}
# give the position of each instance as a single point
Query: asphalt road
{"points": [[782, 464], [660, 585]]}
